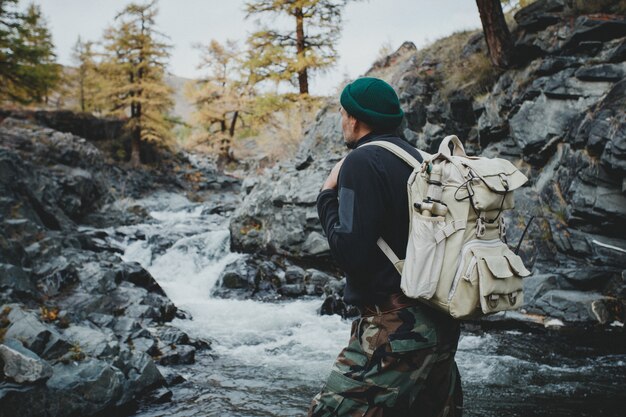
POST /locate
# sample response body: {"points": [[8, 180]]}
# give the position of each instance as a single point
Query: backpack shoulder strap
{"points": [[398, 151], [390, 254]]}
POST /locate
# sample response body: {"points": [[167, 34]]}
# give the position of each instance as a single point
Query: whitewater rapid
{"points": [[270, 358]]}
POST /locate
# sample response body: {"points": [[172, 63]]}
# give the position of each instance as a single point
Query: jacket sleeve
{"points": [[352, 217]]}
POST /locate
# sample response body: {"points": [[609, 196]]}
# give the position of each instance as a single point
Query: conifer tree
{"points": [[293, 55], [135, 68], [86, 81], [28, 71], [224, 95]]}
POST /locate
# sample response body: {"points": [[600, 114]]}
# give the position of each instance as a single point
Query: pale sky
{"points": [[367, 26]]}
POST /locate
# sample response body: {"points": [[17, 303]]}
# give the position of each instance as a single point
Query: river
{"points": [[269, 359]]}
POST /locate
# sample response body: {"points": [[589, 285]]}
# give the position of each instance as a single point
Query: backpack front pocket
{"points": [[500, 282], [424, 256], [488, 279]]}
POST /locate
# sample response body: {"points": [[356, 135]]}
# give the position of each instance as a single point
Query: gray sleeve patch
{"points": [[346, 210]]}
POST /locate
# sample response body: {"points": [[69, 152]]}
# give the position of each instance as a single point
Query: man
{"points": [[400, 357]]}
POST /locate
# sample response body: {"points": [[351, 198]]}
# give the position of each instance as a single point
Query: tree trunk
{"points": [[135, 148], [497, 35], [303, 79], [233, 122]]}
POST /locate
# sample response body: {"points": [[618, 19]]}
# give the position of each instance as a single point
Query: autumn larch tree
{"points": [[86, 81], [292, 55], [223, 95], [135, 67]]}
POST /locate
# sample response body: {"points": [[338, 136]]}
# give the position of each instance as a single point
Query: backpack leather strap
{"points": [[390, 254], [398, 151]]}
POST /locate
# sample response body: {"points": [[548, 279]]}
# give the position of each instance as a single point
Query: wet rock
{"points": [[135, 273], [56, 276], [575, 306], [125, 326], [83, 388], [144, 344], [238, 275], [21, 367], [15, 282], [294, 275], [41, 338], [292, 290], [92, 342], [177, 355], [537, 285], [172, 335], [316, 281], [335, 305]]}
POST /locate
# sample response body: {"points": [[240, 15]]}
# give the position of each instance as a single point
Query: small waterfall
{"points": [[269, 359]]}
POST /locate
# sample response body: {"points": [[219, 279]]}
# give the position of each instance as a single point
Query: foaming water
{"points": [[269, 359], [287, 337]]}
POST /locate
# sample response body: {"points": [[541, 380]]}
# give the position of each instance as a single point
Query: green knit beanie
{"points": [[372, 101]]}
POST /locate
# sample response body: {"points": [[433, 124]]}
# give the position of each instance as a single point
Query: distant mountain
{"points": [[183, 108]]}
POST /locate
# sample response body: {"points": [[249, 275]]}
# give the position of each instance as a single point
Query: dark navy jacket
{"points": [[371, 201]]}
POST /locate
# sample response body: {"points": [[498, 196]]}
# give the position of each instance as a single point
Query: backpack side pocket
{"points": [[424, 256]]}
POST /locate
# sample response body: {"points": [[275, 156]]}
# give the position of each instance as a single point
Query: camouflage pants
{"points": [[399, 363]]}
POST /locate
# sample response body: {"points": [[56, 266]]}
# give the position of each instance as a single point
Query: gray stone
{"points": [[539, 14], [575, 306], [294, 275], [93, 342], [177, 355], [537, 285], [16, 280], [124, 326], [316, 281], [41, 338], [540, 120], [601, 72], [335, 287], [23, 368], [141, 374], [292, 290], [172, 335], [144, 344], [84, 388], [590, 277], [56, 276], [595, 29], [315, 244]]}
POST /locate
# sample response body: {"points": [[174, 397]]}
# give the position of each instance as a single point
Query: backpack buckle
{"points": [[513, 298], [493, 300], [480, 227], [505, 181], [502, 227]]}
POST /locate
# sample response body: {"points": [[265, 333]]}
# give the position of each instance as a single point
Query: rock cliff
{"points": [[559, 115], [81, 331]]}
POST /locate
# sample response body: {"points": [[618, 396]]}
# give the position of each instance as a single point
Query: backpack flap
{"points": [[500, 274], [498, 174]]}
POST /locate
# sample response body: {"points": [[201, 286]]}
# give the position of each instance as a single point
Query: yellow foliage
{"points": [[49, 314]]}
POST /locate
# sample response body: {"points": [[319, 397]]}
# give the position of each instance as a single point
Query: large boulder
{"points": [[21, 365]]}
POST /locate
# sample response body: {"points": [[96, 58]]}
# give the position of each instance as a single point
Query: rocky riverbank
{"points": [[82, 331], [559, 115]]}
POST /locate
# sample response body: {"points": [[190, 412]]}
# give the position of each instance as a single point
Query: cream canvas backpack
{"points": [[456, 257]]}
